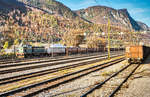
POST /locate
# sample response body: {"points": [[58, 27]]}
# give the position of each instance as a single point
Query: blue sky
{"points": [[138, 9]]}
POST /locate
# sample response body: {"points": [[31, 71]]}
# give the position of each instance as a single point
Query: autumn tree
{"points": [[16, 42], [6, 45], [94, 41], [73, 37]]}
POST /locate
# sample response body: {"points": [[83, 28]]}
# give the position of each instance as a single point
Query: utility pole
{"points": [[52, 47], [108, 38]]}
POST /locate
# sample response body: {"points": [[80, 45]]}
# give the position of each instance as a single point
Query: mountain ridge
{"points": [[143, 26], [118, 17], [100, 14], [53, 7]]}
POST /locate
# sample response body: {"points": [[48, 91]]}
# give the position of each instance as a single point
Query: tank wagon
{"points": [[136, 53]]}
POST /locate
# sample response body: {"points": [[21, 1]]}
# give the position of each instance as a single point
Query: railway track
{"points": [[21, 76], [30, 90], [39, 60], [17, 68], [100, 85], [7, 61], [31, 60], [42, 60], [44, 72]]}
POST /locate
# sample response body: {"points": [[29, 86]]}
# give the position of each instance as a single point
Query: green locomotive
{"points": [[28, 50]]}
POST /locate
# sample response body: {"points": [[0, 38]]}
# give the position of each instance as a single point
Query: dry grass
{"points": [[107, 73]]}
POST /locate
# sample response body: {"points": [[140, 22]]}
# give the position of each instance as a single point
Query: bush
{"points": [[7, 55]]}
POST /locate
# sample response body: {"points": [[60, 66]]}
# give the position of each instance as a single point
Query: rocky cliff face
{"points": [[100, 15], [143, 26]]}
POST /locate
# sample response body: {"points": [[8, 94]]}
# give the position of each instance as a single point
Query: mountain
{"points": [[100, 15], [143, 26], [11, 8], [9, 5], [28, 23], [49, 20], [52, 7], [94, 14]]}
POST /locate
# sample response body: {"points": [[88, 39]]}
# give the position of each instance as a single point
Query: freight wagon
{"points": [[136, 53]]}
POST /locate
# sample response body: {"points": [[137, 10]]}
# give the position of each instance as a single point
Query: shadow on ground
{"points": [[144, 70]]}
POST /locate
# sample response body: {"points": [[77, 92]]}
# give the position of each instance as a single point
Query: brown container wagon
{"points": [[136, 53]]}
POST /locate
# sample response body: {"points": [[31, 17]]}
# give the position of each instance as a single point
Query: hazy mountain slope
{"points": [[8, 8], [9, 5], [53, 7]]}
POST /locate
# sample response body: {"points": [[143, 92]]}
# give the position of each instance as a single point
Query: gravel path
{"points": [[77, 87]]}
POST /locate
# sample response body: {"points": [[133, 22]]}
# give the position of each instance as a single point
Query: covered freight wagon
{"points": [[136, 53]]}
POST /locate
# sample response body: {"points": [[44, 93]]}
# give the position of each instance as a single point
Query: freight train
{"points": [[136, 53], [29, 51]]}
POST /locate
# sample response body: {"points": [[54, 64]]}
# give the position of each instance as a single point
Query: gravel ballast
{"points": [[139, 83], [77, 87]]}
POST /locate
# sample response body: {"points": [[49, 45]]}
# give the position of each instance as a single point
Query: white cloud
{"points": [[137, 10], [87, 2], [145, 19]]}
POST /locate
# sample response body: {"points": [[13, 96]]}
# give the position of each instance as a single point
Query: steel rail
{"points": [[7, 61], [41, 61], [102, 83], [115, 74], [58, 78], [47, 64], [117, 89], [43, 72]]}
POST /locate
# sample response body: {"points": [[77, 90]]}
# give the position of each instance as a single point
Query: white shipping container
{"points": [[56, 48]]}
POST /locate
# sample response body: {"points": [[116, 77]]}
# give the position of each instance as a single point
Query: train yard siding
{"points": [[77, 87], [139, 83], [52, 75]]}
